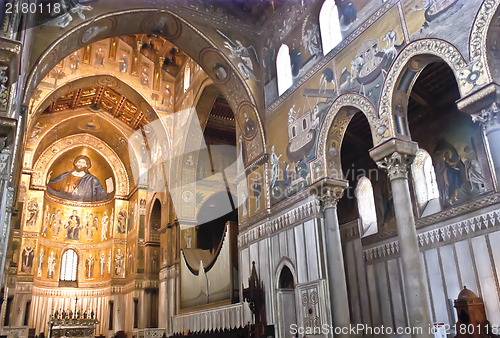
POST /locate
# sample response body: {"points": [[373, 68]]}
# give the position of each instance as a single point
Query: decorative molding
{"points": [[208, 320], [446, 234], [449, 53], [299, 214], [81, 246], [334, 126], [67, 293], [350, 231], [477, 42], [455, 211]]}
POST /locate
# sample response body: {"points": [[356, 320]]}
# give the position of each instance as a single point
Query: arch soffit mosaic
{"points": [[57, 149], [103, 80], [425, 47], [36, 148], [108, 81], [192, 41], [332, 133]]}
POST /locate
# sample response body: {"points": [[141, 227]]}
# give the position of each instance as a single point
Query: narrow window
{"points": [[187, 77], [69, 266], [424, 179], [284, 69], [136, 312], [366, 207], [110, 320], [27, 313], [329, 26], [7, 311]]}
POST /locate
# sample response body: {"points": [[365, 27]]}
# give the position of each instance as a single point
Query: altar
{"points": [[69, 324]]}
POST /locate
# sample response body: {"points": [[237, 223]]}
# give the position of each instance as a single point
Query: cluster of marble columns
{"points": [[396, 156]]}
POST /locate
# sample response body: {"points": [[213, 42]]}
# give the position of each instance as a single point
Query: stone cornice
{"points": [[298, 214], [476, 205], [480, 99], [440, 235]]}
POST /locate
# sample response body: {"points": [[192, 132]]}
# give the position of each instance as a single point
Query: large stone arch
{"points": [[403, 74], [327, 163], [192, 41]]}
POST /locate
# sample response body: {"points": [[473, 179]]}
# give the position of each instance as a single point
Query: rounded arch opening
{"points": [[453, 142], [211, 224]]}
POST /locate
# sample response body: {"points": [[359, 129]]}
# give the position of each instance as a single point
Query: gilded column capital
{"points": [[488, 117], [396, 165]]}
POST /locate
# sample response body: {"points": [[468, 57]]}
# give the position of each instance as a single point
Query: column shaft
{"points": [[336, 272], [413, 275]]}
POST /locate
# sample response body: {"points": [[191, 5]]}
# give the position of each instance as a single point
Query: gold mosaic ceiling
{"points": [[101, 97]]}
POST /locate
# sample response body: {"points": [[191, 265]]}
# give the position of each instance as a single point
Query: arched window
{"points": [[329, 26], [424, 181], [69, 266], [284, 69], [187, 77], [366, 207]]}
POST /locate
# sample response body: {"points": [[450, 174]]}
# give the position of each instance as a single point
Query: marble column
{"points": [[396, 156], [331, 192], [484, 108], [490, 122]]}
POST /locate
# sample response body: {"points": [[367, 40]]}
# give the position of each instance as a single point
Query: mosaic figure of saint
{"points": [[89, 264], [123, 64], [104, 226], [28, 256], [102, 264], [119, 260], [78, 184], [121, 219], [51, 265], [99, 58]]}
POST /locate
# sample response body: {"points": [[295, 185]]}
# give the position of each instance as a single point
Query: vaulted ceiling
{"points": [[101, 97]]}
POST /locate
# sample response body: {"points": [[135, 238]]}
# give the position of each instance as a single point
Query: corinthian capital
{"points": [[331, 197], [329, 191], [488, 117], [397, 165]]}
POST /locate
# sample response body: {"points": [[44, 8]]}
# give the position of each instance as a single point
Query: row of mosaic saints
{"points": [[77, 185]]}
